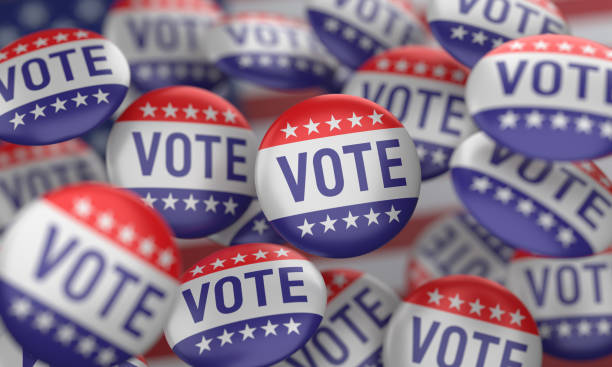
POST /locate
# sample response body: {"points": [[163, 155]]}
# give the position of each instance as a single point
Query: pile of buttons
{"points": [[104, 259]]}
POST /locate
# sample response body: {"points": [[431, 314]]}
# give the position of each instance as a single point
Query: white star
{"points": [[218, 264], [383, 64], [44, 321], [606, 130], [476, 307], [479, 38], [238, 258], [65, 334], [439, 71], [496, 313], [365, 43], [584, 328], [40, 42], [60, 37], [197, 270], [265, 60], [459, 76], [281, 252], [169, 201], [329, 224], [166, 259], [350, 220], [609, 54], [148, 110], [270, 328], [546, 221], [301, 64], [333, 123], [17, 120], [82, 207], [372, 217], [540, 45], [545, 331], [401, 65], [283, 62], [559, 121], [105, 221], [260, 254], [497, 42], [190, 112], [59, 104], [149, 200], [230, 206], [421, 152], [525, 207], [81, 34], [331, 25], [20, 308], [588, 50], [376, 117], [79, 99], [517, 45], [127, 234], [508, 120], [458, 32], [260, 226], [349, 33], [393, 214], [211, 113], [21, 48], [504, 194], [455, 302], [101, 96], [144, 72], [190, 203], [247, 332], [584, 124], [535, 119], [564, 329], [293, 326], [355, 120], [204, 344], [566, 237], [169, 110], [211, 204], [312, 126], [164, 71], [146, 246], [420, 67], [480, 184], [245, 61], [289, 131], [306, 228], [2, 55], [565, 47], [517, 318], [106, 357], [435, 297], [86, 346], [229, 116], [438, 157], [603, 327]]}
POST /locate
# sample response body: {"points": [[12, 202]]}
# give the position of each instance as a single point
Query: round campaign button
{"points": [[58, 84], [189, 154], [570, 300], [337, 176], [545, 97], [270, 50], [462, 321], [469, 29], [88, 275], [359, 308], [164, 41], [457, 244], [27, 172], [355, 30], [266, 301], [547, 208], [252, 227], [424, 88]]}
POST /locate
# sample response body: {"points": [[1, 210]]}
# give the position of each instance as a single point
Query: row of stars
{"points": [[438, 157], [190, 203], [350, 219], [65, 334], [583, 328], [479, 37], [105, 222], [313, 127], [564, 46], [558, 121], [284, 62], [44, 41], [421, 68], [59, 105], [526, 207], [475, 307], [163, 71], [248, 333], [190, 112], [239, 258], [21, 154], [350, 34]]}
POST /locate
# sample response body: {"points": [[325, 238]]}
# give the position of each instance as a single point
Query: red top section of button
{"points": [[420, 62], [121, 217], [476, 298], [45, 39], [185, 105], [204, 6], [328, 115], [555, 44], [13, 155], [337, 280], [237, 256]]}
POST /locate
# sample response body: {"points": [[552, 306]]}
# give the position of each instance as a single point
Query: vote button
{"points": [[246, 305], [88, 275], [58, 84], [462, 321], [337, 176]]}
